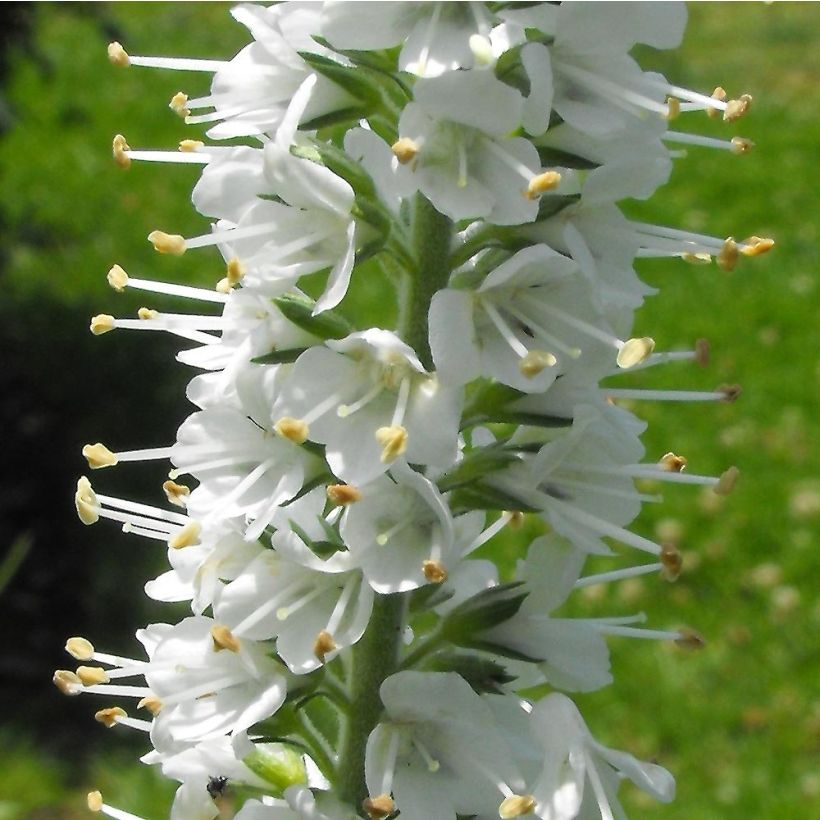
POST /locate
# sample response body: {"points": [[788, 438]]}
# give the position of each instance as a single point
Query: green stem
{"points": [[375, 658], [432, 234]]}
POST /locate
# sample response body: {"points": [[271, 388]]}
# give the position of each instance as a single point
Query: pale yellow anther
{"points": [[66, 681], [720, 95], [516, 805], [726, 482], [516, 519], [405, 150], [730, 392], [145, 313], [379, 807], [223, 638], [393, 441], [672, 108], [535, 362], [541, 183], [85, 502], [118, 55], [177, 494], [634, 351], [179, 104], [295, 430], [101, 323], [98, 456], [343, 494], [735, 109], [755, 245], [434, 572], [672, 463], [671, 561], [80, 649], [234, 271], [171, 243], [702, 352], [152, 703], [689, 639], [189, 146], [117, 278], [697, 258], [94, 801], [119, 149], [188, 536], [108, 717], [741, 145], [92, 675], [324, 645], [728, 256]]}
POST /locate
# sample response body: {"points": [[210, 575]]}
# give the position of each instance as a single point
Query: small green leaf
{"points": [[299, 310]]}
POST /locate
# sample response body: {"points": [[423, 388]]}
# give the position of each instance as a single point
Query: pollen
{"points": [[223, 638], [405, 150], [380, 807], [541, 183], [535, 362], [92, 675], [188, 536], [295, 430], [343, 494], [672, 562], [108, 717], [718, 94], [635, 351], [179, 104], [755, 245], [324, 645], [672, 463], [118, 55], [735, 109], [393, 441], [79, 648], [516, 805], [434, 571], [101, 323], [171, 243], [98, 456], [177, 494], [119, 147], [117, 278], [88, 508], [726, 482], [66, 681]]}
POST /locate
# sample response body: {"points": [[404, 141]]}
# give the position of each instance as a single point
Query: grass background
{"points": [[738, 723]]}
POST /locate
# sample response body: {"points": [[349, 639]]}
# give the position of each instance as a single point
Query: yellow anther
{"points": [[171, 243], [755, 245], [672, 108], [672, 463], [741, 145], [179, 104], [343, 494], [189, 146], [720, 95], [85, 501], [94, 801], [696, 258], [152, 703], [118, 55], [119, 147], [177, 494], [727, 258], [188, 536], [67, 682], [702, 352], [98, 456], [434, 571], [117, 278], [101, 323], [79, 648], [672, 562], [405, 150], [516, 805], [726, 482], [324, 644], [735, 109], [223, 638], [535, 362], [689, 639], [379, 807], [145, 313], [393, 441], [92, 675], [235, 271], [541, 183], [730, 392], [108, 717], [634, 351], [295, 430]]}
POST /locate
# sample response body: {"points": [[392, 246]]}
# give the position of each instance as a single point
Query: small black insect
{"points": [[216, 786]]}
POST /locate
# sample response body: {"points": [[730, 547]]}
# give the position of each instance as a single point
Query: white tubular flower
{"points": [[370, 401], [454, 147], [435, 37], [439, 750], [580, 777]]}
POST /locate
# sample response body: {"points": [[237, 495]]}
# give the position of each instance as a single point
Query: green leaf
{"points": [[299, 310]]}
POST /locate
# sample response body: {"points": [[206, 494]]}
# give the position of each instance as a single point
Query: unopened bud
{"points": [[108, 717], [343, 494], [118, 55], [119, 147], [173, 244]]}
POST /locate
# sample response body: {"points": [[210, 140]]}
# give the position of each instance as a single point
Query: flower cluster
{"points": [[348, 650]]}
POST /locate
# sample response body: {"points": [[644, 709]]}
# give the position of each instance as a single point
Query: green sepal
{"points": [[299, 310], [482, 611], [484, 675], [341, 116], [279, 764], [548, 205], [356, 81], [550, 157], [482, 496], [499, 649], [475, 465], [321, 549], [290, 354], [491, 402]]}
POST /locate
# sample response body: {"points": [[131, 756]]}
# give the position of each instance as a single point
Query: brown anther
{"points": [[720, 95], [635, 351], [393, 441], [702, 352], [119, 147], [535, 362], [727, 258], [516, 805], [755, 245], [689, 639], [179, 104], [672, 463], [672, 562], [434, 571], [189, 146], [118, 55], [152, 703], [516, 519], [323, 645], [92, 675], [94, 801], [377, 808], [295, 430], [697, 258], [343, 494], [98, 456], [672, 108], [223, 638], [735, 109], [145, 314], [177, 494], [542, 183], [66, 681], [80, 649], [741, 145], [101, 323], [188, 536], [405, 150], [108, 717], [85, 502], [726, 482], [730, 392], [170, 243]]}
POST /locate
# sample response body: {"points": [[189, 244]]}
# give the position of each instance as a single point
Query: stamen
{"points": [[618, 574], [489, 532], [634, 351], [421, 65], [405, 150], [673, 108], [177, 494], [234, 274], [295, 430], [152, 704], [179, 104], [393, 441], [432, 764], [86, 503], [223, 638], [726, 393], [434, 571], [401, 403], [102, 323], [741, 145], [735, 109], [343, 494], [187, 146], [535, 362], [99, 456], [67, 682], [324, 645], [118, 55], [173, 244], [516, 805], [110, 717], [188, 536], [689, 639], [726, 482], [380, 807], [119, 280], [91, 675], [672, 562], [755, 245], [720, 95], [119, 149], [95, 804]]}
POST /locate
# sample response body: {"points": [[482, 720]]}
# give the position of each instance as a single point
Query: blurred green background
{"points": [[738, 723]]}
